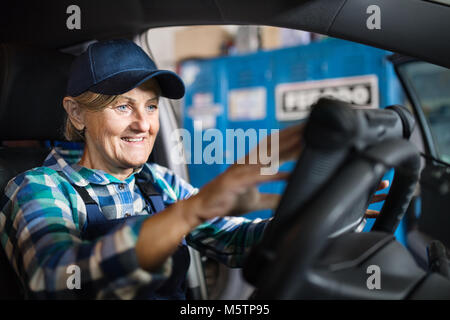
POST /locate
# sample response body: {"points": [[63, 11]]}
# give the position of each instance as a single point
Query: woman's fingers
{"points": [[254, 201], [371, 213], [290, 141], [250, 175], [239, 181], [378, 197], [383, 185], [280, 146], [291, 149], [268, 201], [294, 129]]}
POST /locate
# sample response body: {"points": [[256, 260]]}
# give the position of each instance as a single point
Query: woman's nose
{"points": [[141, 122]]}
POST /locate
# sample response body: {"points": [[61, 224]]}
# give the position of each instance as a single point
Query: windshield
{"points": [[430, 87]]}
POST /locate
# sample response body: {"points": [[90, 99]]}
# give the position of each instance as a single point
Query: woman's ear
{"points": [[74, 113]]}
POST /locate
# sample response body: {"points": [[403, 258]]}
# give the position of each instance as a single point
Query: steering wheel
{"points": [[347, 151]]}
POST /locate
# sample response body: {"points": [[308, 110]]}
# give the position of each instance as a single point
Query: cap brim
{"points": [[170, 83]]}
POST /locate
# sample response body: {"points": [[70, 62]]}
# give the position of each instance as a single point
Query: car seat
{"points": [[32, 85]]}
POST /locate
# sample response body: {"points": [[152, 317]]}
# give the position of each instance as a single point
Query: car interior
{"points": [[302, 263], [312, 248]]}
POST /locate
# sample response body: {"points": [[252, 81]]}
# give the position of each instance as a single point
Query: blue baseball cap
{"points": [[114, 67]]}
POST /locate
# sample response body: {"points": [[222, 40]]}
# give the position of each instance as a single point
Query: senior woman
{"points": [[123, 222]]}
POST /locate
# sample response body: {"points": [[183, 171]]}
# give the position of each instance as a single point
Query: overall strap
{"points": [[93, 213], [152, 196]]}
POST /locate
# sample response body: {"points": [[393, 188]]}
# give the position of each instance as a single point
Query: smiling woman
{"points": [[124, 222]]}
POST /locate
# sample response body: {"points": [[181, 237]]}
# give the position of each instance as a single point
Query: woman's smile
{"points": [[134, 141]]}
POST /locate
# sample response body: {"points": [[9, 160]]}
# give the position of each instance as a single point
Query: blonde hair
{"points": [[91, 101]]}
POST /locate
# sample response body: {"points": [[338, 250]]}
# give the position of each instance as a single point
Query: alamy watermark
{"points": [[373, 22], [213, 146], [74, 280], [374, 280], [73, 22]]}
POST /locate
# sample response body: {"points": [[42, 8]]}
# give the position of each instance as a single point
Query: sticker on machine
{"points": [[247, 104], [204, 111], [294, 100]]}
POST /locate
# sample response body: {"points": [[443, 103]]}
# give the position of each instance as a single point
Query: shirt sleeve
{"points": [[171, 185], [227, 239], [41, 237]]}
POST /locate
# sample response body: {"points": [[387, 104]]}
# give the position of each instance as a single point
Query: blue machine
{"points": [[274, 89]]}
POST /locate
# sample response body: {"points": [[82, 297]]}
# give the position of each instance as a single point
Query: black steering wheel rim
{"points": [[297, 248]]}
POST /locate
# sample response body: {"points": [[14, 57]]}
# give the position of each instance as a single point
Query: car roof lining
{"points": [[403, 30]]}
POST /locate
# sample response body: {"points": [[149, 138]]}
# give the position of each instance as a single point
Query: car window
{"points": [[430, 84], [242, 82]]}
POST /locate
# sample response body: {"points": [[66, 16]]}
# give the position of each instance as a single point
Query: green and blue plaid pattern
{"points": [[41, 217]]}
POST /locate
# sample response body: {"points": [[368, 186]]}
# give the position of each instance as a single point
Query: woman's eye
{"points": [[122, 108], [152, 107]]}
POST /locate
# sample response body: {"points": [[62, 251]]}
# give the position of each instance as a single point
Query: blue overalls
{"points": [[97, 225]]}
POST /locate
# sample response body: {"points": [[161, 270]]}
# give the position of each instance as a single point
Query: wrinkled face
{"points": [[121, 136]]}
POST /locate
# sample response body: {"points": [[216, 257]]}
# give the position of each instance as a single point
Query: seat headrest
{"points": [[32, 85]]}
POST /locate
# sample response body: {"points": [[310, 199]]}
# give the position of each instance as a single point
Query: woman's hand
{"points": [[235, 192], [377, 198]]}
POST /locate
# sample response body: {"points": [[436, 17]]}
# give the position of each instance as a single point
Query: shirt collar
{"points": [[66, 161]]}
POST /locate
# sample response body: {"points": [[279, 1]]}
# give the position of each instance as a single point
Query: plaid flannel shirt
{"points": [[41, 217]]}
